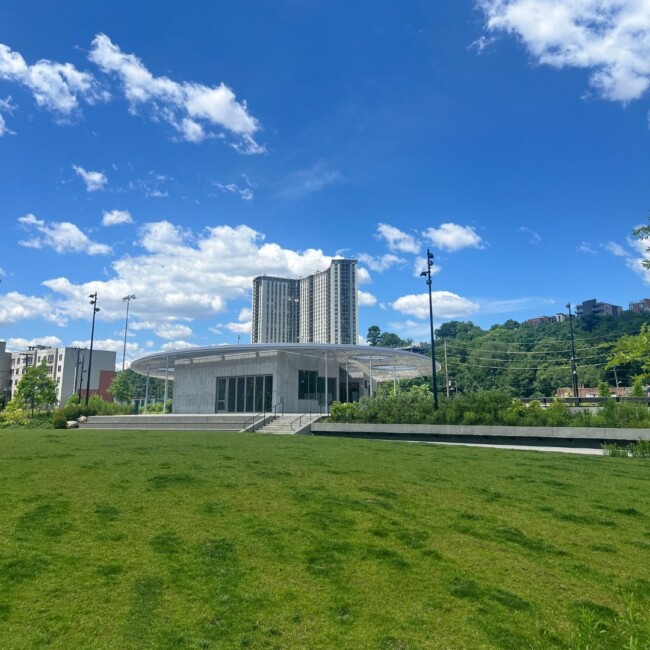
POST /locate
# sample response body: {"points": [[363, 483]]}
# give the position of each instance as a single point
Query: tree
{"points": [[121, 387], [390, 340], [374, 335], [631, 348], [36, 389], [641, 234]]}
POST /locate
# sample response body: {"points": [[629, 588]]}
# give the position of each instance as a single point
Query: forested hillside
{"points": [[529, 360]]}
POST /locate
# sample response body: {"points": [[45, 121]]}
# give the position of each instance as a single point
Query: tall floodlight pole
{"points": [[127, 300], [93, 302], [574, 368], [434, 382]]}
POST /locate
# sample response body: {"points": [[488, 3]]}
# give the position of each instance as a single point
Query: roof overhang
{"points": [[383, 364]]}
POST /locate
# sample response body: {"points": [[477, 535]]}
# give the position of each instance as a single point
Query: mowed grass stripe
{"points": [[210, 540]]}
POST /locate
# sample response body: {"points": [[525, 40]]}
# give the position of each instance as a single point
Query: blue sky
{"points": [[175, 154]]}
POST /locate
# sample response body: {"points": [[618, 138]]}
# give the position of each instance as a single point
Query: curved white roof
{"points": [[385, 364]]}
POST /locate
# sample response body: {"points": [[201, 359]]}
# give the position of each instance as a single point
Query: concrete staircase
{"points": [[291, 424], [169, 422]]}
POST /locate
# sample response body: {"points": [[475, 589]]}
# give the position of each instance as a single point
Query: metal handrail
{"points": [[252, 420], [299, 419]]}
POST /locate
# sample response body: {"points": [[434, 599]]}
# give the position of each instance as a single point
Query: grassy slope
{"points": [[203, 540]]}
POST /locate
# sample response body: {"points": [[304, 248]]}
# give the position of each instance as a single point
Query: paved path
{"points": [[585, 451]]}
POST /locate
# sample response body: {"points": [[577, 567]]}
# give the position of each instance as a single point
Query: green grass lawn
{"points": [[209, 540]]}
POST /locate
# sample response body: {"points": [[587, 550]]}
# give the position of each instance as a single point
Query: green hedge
{"points": [[494, 408]]}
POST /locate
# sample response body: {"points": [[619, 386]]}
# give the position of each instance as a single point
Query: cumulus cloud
{"points": [[445, 305], [63, 237], [16, 307], [397, 240], [177, 345], [57, 87], [179, 276], [192, 109], [452, 237], [19, 344], [366, 299], [610, 38], [363, 276], [116, 218], [94, 181], [382, 263]]}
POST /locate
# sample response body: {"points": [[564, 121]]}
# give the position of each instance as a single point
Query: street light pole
{"points": [[93, 302], [574, 369], [127, 300], [434, 382]]}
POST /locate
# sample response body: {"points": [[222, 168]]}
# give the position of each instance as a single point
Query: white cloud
{"points": [[420, 265], [173, 331], [19, 344], [7, 106], [533, 237], [635, 260], [452, 237], [585, 247], [63, 237], [363, 276], [239, 328], [445, 305], [188, 107], [245, 193], [366, 299], [15, 307], [94, 180], [177, 345], [616, 249], [245, 314], [181, 276], [382, 263], [397, 240], [610, 38], [55, 86], [116, 218], [307, 181]]}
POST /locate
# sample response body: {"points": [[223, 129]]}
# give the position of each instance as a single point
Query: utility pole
{"points": [[446, 369], [574, 368]]}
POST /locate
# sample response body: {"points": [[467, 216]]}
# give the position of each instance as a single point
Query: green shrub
{"points": [[614, 450], [59, 420], [341, 412], [640, 449]]}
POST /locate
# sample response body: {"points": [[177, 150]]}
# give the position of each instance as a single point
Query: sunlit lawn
{"points": [[208, 540]]}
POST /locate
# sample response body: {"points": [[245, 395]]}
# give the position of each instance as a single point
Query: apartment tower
{"points": [[320, 308]]}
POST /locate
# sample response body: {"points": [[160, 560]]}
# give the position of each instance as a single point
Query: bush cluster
{"points": [[492, 407]]}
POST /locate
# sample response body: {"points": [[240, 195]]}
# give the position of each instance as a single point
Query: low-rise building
{"points": [[640, 306], [594, 308], [68, 368]]}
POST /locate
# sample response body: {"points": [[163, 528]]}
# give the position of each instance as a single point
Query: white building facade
{"points": [[67, 367], [320, 308]]}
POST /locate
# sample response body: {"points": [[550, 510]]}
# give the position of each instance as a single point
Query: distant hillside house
{"points": [[595, 308]]}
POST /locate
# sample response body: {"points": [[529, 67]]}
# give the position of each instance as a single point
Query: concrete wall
{"points": [[414, 431]]}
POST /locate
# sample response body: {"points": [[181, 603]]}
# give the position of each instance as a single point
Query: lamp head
{"points": [[423, 274]]}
